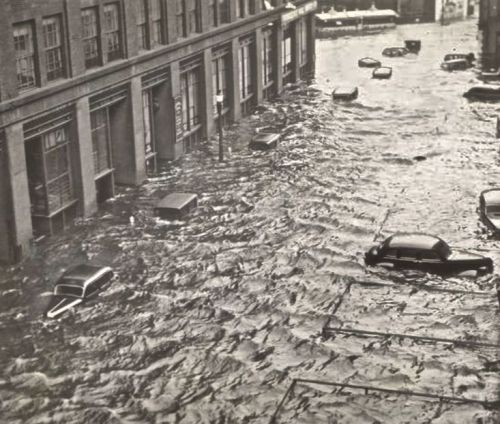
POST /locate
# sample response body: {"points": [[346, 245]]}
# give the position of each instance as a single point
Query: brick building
{"points": [[94, 92]]}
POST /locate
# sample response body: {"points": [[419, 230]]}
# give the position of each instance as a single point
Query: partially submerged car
{"points": [[345, 93], [264, 141], [426, 253], [489, 208], [455, 65], [454, 56], [382, 72], [395, 51], [487, 92], [369, 62], [77, 285]]}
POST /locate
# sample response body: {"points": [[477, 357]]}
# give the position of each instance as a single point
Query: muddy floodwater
{"points": [[211, 318]]}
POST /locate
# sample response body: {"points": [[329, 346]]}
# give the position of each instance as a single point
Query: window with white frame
{"points": [[112, 33], [25, 56], [141, 22], [156, 15], [52, 43], [90, 37]]}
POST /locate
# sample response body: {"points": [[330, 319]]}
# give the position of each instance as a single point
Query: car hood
{"points": [[60, 304], [461, 255]]}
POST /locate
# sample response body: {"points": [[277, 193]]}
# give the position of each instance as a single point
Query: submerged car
{"points": [[369, 62], [455, 65], [483, 93], [425, 253], [383, 72], [395, 51], [454, 56], [345, 93], [77, 285], [489, 208]]}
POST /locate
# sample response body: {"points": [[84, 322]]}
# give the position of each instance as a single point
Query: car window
{"points": [[493, 209], [407, 254], [429, 255], [66, 290]]}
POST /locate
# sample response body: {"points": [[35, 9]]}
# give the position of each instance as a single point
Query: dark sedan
{"points": [[425, 253], [78, 285], [489, 208]]}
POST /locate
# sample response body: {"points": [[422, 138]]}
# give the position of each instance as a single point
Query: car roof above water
{"points": [[81, 274], [412, 241]]}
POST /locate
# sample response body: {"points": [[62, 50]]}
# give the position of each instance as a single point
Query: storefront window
{"points": [[49, 172], [220, 75], [303, 41], [287, 53], [267, 58], [245, 71], [190, 99], [99, 123]]}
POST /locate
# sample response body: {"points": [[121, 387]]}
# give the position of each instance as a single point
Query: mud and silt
{"points": [[225, 308]]}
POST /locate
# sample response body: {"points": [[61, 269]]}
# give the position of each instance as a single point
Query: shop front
{"points": [[155, 89], [48, 148]]}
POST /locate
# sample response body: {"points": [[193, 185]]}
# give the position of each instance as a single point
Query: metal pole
{"points": [[219, 126], [219, 99]]}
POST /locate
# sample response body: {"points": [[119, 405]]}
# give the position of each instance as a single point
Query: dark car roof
{"points": [[491, 196], [412, 241], [485, 88]]}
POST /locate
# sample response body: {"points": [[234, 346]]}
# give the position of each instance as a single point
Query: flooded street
{"points": [[229, 305]]}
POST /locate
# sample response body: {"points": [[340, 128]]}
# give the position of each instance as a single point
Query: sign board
{"points": [[179, 122], [291, 15]]}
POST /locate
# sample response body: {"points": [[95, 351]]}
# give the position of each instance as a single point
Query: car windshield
{"points": [[443, 249], [493, 209], [67, 290]]}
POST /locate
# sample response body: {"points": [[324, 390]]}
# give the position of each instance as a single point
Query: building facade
{"points": [[94, 93]]}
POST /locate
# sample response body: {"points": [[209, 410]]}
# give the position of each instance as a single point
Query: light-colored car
{"points": [[77, 285]]}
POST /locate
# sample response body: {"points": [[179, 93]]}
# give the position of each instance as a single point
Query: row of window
{"points": [[102, 34]]}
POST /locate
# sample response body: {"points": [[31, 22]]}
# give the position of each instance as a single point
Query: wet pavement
{"points": [[224, 309]]}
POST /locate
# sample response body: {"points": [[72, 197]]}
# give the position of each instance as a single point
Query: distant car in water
{"points": [[77, 285], [455, 65], [425, 253], [383, 72], [345, 93], [395, 51], [485, 92], [454, 56], [489, 208], [369, 62], [264, 141]]}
